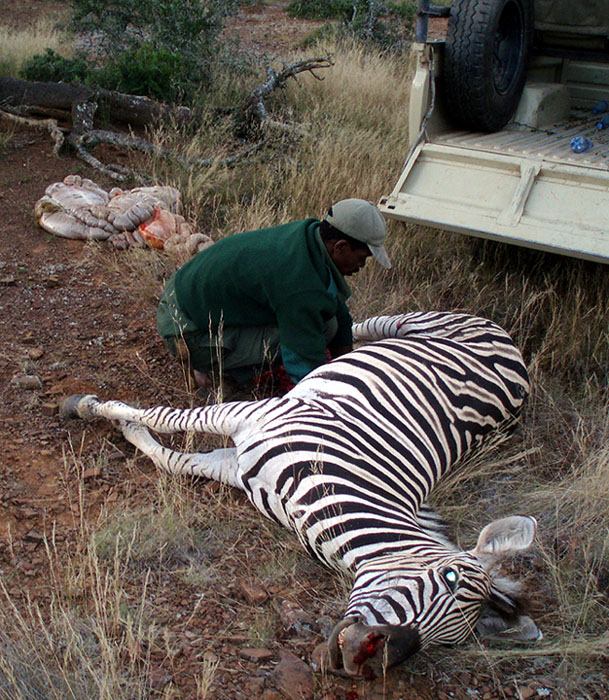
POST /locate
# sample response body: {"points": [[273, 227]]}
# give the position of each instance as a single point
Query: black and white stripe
{"points": [[348, 458]]}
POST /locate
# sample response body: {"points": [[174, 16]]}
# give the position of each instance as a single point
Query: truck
{"points": [[508, 125]]}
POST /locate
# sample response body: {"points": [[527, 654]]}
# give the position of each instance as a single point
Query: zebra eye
{"points": [[451, 577]]}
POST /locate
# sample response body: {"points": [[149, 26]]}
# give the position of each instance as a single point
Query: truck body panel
{"points": [[523, 184]]}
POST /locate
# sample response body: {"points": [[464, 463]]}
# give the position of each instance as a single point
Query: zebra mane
{"points": [[433, 525]]}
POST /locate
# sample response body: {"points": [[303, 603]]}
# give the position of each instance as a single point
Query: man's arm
{"points": [[302, 332]]}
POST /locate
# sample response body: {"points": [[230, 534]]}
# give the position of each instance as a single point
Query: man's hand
{"points": [[338, 351]]}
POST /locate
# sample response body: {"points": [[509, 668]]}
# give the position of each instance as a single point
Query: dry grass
{"points": [[17, 46], [91, 638]]}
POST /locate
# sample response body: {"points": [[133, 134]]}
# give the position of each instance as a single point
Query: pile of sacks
{"points": [[144, 216]]}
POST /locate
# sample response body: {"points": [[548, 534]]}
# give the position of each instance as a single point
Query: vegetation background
{"points": [[104, 620]]}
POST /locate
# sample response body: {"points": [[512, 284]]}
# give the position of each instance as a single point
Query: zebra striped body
{"points": [[347, 460]]}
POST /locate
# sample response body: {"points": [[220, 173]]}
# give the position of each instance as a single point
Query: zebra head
{"points": [[401, 603]]}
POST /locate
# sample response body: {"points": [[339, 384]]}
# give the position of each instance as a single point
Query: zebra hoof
{"points": [[77, 406]]}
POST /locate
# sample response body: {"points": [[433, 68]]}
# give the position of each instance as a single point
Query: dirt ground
{"points": [[69, 324]]}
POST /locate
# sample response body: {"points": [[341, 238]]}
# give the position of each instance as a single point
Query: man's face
{"points": [[347, 259]]}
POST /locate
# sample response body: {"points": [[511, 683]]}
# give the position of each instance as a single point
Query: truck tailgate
{"points": [[537, 193]]}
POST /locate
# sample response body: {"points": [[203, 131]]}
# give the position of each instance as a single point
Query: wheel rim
{"points": [[508, 47]]}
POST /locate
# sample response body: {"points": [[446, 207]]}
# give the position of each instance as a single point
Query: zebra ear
{"points": [[503, 538]]}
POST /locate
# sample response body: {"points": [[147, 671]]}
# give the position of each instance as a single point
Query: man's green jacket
{"points": [[281, 276]]}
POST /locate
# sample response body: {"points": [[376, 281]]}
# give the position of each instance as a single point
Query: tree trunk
{"points": [[130, 109]]}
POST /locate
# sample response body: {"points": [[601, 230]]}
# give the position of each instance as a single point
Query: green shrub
{"points": [[160, 48], [187, 26], [156, 73], [383, 23], [51, 67], [320, 9]]}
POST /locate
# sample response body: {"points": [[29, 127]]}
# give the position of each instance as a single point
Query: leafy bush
{"points": [[160, 48], [187, 26], [51, 67], [156, 73], [320, 9], [384, 23]]}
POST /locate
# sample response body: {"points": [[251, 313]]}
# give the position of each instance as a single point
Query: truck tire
{"points": [[487, 49]]}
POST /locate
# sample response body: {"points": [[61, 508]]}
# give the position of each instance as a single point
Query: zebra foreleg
{"points": [[218, 465]]}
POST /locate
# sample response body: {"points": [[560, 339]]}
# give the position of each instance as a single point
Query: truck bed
{"points": [[520, 185], [550, 144]]}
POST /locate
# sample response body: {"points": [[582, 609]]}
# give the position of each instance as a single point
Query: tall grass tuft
{"points": [[87, 641], [18, 46]]}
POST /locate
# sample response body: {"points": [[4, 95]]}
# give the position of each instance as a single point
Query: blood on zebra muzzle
{"points": [[357, 649]]}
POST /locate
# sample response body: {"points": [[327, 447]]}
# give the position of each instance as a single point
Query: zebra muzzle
{"points": [[360, 650]]}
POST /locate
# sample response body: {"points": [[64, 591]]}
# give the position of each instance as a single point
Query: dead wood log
{"points": [[122, 108], [256, 107], [77, 105]]}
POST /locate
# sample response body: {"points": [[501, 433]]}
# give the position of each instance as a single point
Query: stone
{"points": [[52, 281], [255, 687], [33, 536], [49, 409], [293, 677], [27, 381], [254, 595], [270, 694], [35, 353], [295, 619], [526, 692], [258, 655], [91, 473]]}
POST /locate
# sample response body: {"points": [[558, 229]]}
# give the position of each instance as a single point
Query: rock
{"points": [[271, 694], [27, 381], [91, 473], [7, 280], [258, 655], [49, 409], [252, 594], [255, 687], [52, 281], [35, 353], [25, 513], [293, 677], [325, 624], [210, 657], [295, 619], [159, 679], [33, 536], [526, 692]]}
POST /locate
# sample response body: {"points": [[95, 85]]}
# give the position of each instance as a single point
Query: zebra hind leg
{"points": [[219, 465]]}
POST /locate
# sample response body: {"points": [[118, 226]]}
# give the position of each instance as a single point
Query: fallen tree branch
{"points": [[123, 108], [125, 141], [256, 107], [50, 124], [79, 104]]}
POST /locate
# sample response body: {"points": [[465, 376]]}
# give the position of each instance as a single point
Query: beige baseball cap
{"points": [[364, 222]]}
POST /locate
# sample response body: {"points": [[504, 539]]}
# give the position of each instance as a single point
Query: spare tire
{"points": [[487, 49]]}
